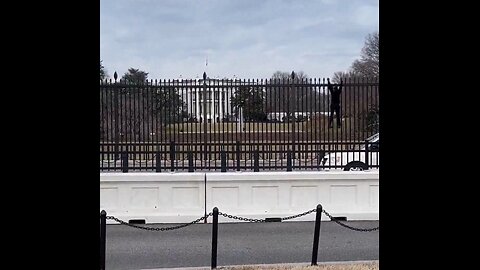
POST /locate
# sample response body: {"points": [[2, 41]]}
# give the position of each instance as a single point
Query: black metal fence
{"points": [[224, 124]]}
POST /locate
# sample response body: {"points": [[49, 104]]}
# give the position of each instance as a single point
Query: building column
{"points": [[212, 103], [220, 104], [197, 105]]}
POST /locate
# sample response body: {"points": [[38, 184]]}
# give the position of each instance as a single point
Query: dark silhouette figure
{"points": [[335, 91]]}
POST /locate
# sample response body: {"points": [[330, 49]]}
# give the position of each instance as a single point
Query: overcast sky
{"points": [[245, 38]]}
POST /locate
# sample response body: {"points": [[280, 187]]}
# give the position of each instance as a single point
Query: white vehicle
{"points": [[354, 160]]}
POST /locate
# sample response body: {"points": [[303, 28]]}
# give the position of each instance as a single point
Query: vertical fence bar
{"points": [[204, 110], [276, 105], [172, 156], [256, 165], [157, 117], [122, 122], [134, 113], [316, 234], [158, 161], [111, 136], [124, 157], [116, 119], [214, 238], [102, 126], [151, 114], [238, 155], [223, 157], [103, 238], [190, 160], [348, 97], [366, 154], [164, 122], [289, 160], [128, 117]]}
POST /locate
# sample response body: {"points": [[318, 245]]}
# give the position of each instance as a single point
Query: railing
{"points": [[171, 122], [215, 213], [234, 156]]}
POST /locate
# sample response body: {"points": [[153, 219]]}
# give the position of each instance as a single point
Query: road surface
{"points": [[238, 243]]}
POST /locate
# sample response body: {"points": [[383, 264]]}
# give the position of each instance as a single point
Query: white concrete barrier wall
{"points": [[180, 197], [279, 194], [154, 197]]}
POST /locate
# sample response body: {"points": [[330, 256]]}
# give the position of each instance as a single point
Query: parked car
{"points": [[354, 160]]}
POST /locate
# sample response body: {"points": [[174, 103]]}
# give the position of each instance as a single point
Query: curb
{"points": [[266, 265]]}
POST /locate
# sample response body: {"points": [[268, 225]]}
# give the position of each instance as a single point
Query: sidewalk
{"points": [[288, 265]]}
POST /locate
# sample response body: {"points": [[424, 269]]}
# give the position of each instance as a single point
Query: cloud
{"points": [[246, 38]]}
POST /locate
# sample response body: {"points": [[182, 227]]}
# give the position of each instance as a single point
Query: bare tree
{"points": [[341, 75], [368, 64], [294, 95], [103, 72], [363, 71]]}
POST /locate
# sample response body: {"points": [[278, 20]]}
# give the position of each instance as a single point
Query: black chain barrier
{"points": [[242, 219], [264, 220], [299, 215], [347, 226], [159, 229]]}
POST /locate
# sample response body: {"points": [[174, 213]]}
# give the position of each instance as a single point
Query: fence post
{"points": [[289, 160], [214, 238], [172, 156], [124, 162], [116, 112], [238, 155], [256, 164], [223, 157], [190, 161], [103, 238], [316, 234], [158, 160]]}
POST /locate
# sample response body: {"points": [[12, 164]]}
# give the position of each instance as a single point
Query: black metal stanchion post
{"points": [[316, 235], [103, 238], [214, 238]]}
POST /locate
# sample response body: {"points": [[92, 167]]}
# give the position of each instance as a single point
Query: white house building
{"points": [[214, 98]]}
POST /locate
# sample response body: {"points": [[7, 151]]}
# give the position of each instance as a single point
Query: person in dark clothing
{"points": [[335, 91]]}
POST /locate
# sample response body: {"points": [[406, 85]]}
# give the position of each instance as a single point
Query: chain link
{"points": [[241, 218], [299, 215], [347, 226], [159, 229], [264, 220]]}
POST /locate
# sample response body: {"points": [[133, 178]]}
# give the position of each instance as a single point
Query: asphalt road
{"points": [[238, 243]]}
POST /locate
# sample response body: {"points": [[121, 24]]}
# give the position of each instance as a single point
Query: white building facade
{"points": [[212, 97]]}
